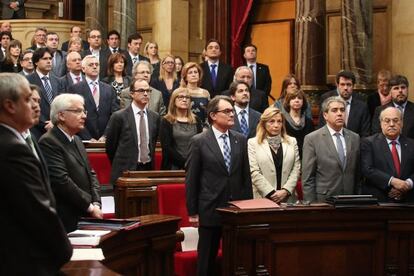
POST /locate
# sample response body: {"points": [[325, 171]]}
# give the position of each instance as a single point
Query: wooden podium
{"points": [[145, 250], [318, 241]]}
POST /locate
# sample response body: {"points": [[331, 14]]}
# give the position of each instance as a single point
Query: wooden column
{"points": [[125, 19], [357, 50], [96, 16]]}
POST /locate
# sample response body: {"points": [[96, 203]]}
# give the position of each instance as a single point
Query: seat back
{"points": [[171, 201]]}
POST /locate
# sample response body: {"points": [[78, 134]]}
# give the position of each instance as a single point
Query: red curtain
{"points": [[240, 10]]}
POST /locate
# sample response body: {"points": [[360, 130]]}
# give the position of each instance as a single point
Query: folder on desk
{"points": [[108, 224], [257, 203]]}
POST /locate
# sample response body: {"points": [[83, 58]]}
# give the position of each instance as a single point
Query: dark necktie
{"points": [[395, 157], [77, 79], [226, 151], [213, 74], [253, 78], [143, 143], [114, 50], [29, 142], [48, 89], [243, 123]]}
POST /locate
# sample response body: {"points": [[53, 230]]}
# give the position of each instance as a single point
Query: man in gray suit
{"points": [[59, 57], [132, 133], [246, 118], [330, 164], [143, 70]]}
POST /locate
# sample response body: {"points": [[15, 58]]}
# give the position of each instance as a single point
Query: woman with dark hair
{"points": [[179, 63], [11, 62], [167, 80], [176, 130], [274, 159], [192, 74], [297, 124], [117, 76], [289, 83]]}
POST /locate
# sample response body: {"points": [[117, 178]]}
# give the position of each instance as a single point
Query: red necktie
{"points": [[395, 158]]}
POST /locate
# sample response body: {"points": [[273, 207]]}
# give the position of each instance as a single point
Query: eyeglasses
{"points": [[181, 97], [27, 59], [141, 90], [95, 36], [78, 111], [226, 111]]}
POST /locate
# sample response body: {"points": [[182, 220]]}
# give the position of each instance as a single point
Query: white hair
{"points": [[239, 69], [84, 60], [61, 103]]}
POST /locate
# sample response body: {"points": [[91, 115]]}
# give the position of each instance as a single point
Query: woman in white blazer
{"points": [[274, 159]]}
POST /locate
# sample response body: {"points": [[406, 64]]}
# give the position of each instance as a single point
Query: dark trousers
{"points": [[144, 167], [207, 249]]}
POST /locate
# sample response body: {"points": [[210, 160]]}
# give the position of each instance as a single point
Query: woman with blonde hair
{"points": [[191, 76], [274, 159], [151, 52], [176, 130], [75, 44], [167, 80]]}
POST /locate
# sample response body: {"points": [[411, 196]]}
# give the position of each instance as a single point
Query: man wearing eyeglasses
{"points": [[39, 38], [217, 171], [100, 100], [132, 133], [27, 63], [96, 49], [73, 182]]}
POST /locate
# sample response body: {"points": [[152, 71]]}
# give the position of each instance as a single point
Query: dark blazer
{"points": [[67, 80], [103, 61], [8, 13], [254, 118], [208, 183], [9, 67], [65, 45], [160, 85], [170, 155], [129, 64], [373, 101], [263, 78], [258, 99], [59, 70], [108, 52], [122, 140], [33, 240], [97, 119], [73, 181], [408, 120], [378, 167], [224, 78], [359, 120], [57, 88]]}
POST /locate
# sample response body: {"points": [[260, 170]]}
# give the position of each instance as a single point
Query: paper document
{"points": [[86, 237], [257, 203], [108, 205], [190, 238], [86, 254]]}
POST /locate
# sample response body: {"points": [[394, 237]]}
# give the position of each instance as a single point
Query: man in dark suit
{"points": [[27, 63], [398, 86], [387, 160], [217, 75], [261, 74], [132, 133], [74, 183], [133, 56], [383, 95], [246, 118], [13, 9], [33, 240], [100, 100], [50, 86], [74, 68], [96, 49], [217, 171], [357, 116], [5, 37], [75, 31], [113, 40], [59, 57], [330, 163]]}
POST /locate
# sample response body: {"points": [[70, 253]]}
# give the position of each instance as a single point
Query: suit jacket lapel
{"points": [[87, 93], [404, 154], [266, 148], [235, 151], [150, 127], [213, 145], [131, 123], [348, 144], [72, 149]]}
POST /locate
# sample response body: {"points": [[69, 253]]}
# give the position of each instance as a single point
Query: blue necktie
{"points": [[226, 151], [48, 89], [243, 123], [213, 74], [340, 148]]}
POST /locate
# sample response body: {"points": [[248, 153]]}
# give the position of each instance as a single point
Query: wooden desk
{"points": [[81, 268], [145, 250], [318, 241]]}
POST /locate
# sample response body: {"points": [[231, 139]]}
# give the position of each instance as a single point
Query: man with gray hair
{"points": [[143, 70], [387, 160], [74, 183], [33, 240], [100, 100], [258, 98], [330, 163]]}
